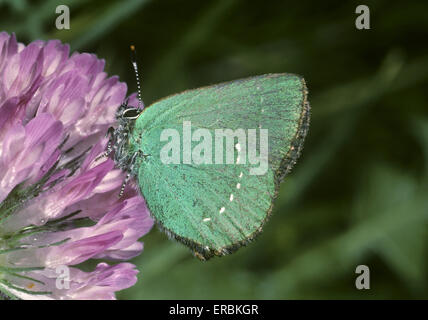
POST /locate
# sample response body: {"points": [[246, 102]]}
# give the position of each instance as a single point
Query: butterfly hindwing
{"points": [[217, 207]]}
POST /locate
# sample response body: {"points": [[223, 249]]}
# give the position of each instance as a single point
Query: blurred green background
{"points": [[357, 196]]}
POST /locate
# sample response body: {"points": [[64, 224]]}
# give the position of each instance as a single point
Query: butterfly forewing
{"points": [[212, 200]]}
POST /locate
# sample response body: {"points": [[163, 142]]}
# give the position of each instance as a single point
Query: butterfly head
{"points": [[127, 113]]}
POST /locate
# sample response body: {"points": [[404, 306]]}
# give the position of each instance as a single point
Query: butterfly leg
{"points": [[109, 148], [124, 183], [131, 167]]}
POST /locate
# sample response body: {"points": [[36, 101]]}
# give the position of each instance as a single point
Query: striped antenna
{"points": [[134, 64]]}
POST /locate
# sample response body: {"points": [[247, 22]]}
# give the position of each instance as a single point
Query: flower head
{"points": [[59, 203]]}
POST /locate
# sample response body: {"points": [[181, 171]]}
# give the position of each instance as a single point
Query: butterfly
{"points": [[209, 161]]}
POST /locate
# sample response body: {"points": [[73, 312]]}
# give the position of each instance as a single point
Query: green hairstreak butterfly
{"points": [[209, 161]]}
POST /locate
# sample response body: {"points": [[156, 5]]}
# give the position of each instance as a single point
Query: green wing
{"points": [[216, 208]]}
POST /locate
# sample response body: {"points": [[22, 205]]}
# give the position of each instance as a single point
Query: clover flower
{"points": [[59, 204]]}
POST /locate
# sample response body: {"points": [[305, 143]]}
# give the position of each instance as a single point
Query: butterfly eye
{"points": [[131, 113]]}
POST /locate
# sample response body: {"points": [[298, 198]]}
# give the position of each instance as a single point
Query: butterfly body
{"points": [[204, 189]]}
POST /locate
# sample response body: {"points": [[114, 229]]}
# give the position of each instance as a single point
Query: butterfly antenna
{"points": [[134, 64]]}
